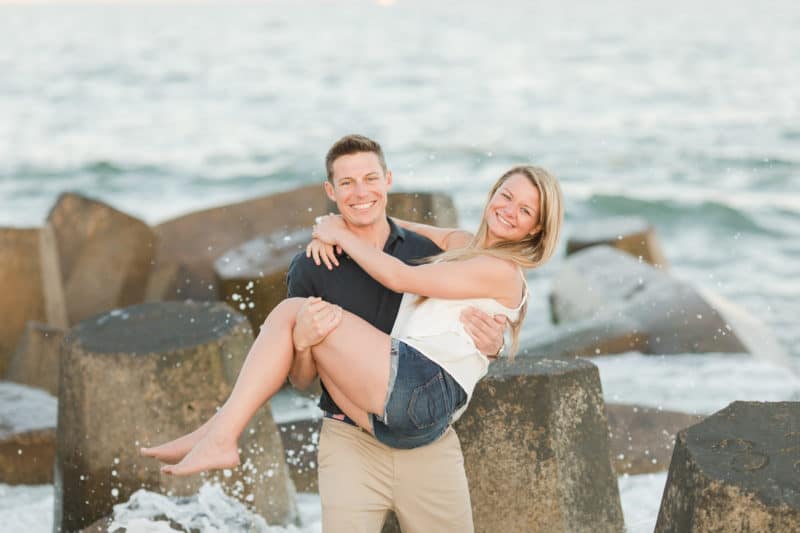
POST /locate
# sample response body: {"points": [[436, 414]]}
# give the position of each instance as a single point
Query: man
{"points": [[360, 479]]}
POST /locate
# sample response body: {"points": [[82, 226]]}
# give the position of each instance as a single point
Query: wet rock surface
{"points": [[252, 277], [602, 288], [104, 255], [641, 438], [37, 360], [612, 335], [27, 434], [21, 292], [737, 470], [535, 443], [633, 235], [193, 242], [436, 209], [300, 440], [143, 375]]}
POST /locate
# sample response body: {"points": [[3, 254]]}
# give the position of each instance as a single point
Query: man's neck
{"points": [[375, 234]]}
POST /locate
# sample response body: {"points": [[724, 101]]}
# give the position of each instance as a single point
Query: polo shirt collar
{"points": [[395, 232]]}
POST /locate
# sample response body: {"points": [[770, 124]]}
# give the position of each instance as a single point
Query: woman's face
{"points": [[513, 211]]}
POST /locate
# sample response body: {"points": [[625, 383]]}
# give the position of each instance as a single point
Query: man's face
{"points": [[359, 188]]}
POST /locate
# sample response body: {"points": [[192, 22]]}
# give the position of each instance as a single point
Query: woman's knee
{"points": [[285, 311]]}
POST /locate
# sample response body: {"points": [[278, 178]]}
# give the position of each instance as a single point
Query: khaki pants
{"points": [[360, 480]]}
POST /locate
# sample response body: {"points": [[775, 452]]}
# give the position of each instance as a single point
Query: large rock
{"points": [[300, 441], [535, 443], [104, 255], [633, 235], [737, 470], [299, 422], [25, 260], [436, 209], [251, 277], [164, 282], [27, 434], [615, 334], [641, 438], [602, 288], [141, 376], [193, 242], [37, 359]]}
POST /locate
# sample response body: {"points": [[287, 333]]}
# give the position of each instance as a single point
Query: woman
{"points": [[406, 390]]}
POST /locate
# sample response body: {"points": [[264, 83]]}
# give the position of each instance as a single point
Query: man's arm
{"points": [[303, 371], [315, 320]]}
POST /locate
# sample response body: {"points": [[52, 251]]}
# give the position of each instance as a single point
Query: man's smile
{"points": [[364, 206]]}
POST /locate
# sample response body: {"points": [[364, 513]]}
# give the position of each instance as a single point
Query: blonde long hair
{"points": [[529, 252]]}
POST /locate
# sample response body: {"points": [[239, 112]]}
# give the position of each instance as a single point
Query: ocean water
{"points": [[686, 114]]}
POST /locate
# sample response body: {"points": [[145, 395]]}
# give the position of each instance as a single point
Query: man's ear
{"points": [[388, 179], [329, 190]]}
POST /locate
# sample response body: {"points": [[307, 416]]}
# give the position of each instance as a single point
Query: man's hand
{"points": [[487, 331], [315, 319]]}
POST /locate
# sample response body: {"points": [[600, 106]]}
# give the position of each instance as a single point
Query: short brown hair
{"points": [[352, 144]]}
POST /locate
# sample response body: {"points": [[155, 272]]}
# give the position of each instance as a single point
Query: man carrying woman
{"points": [[402, 391]]}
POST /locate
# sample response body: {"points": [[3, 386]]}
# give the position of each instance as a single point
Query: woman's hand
{"points": [[322, 252], [329, 229]]}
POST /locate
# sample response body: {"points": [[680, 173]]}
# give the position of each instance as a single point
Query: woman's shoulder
{"points": [[507, 278], [497, 265]]}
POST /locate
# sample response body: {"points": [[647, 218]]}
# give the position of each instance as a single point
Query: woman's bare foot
{"points": [[175, 450], [210, 453]]}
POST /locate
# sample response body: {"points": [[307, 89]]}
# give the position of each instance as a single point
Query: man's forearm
{"points": [[303, 370]]}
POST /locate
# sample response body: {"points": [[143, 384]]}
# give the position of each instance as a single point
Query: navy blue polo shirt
{"points": [[350, 287]]}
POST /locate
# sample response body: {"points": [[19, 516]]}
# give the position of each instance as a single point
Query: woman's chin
{"points": [[500, 233]]}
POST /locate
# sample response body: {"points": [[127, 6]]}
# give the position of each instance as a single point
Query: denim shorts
{"points": [[420, 400]]}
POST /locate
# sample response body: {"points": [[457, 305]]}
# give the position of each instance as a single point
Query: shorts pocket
{"points": [[429, 403]]}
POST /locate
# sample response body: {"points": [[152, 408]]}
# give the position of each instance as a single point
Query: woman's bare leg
{"points": [[356, 414], [175, 450], [361, 356], [353, 363], [263, 373]]}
